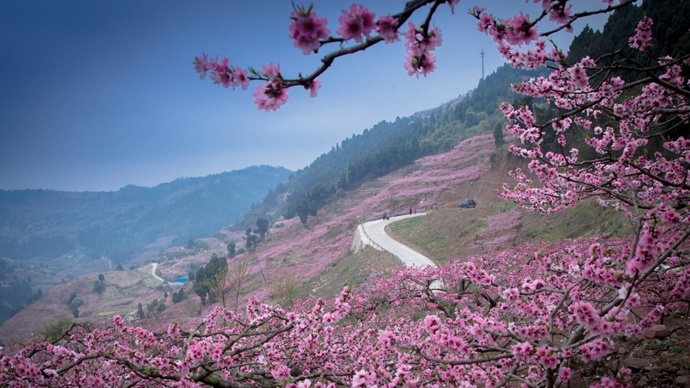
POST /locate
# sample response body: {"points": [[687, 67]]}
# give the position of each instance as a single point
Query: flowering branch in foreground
{"points": [[359, 27]]}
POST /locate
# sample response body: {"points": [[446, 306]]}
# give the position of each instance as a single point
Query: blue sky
{"points": [[96, 94]]}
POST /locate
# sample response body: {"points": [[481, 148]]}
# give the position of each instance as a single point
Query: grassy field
{"points": [[451, 233], [351, 270], [418, 233]]}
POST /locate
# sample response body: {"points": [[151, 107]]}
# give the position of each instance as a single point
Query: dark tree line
{"points": [[74, 303], [207, 276], [252, 237], [179, 296], [15, 294], [99, 284]]}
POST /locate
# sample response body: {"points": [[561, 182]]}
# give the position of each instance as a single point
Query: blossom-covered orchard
{"points": [[535, 316]]}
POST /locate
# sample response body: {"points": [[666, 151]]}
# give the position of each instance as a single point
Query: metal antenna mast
{"points": [[482, 54]]}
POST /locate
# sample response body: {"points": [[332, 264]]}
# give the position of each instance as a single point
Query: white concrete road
{"points": [[376, 232], [153, 272]]}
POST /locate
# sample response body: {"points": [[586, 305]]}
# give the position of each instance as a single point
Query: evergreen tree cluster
{"points": [[155, 307], [207, 276], [179, 296], [231, 251], [252, 237], [99, 284], [14, 294], [74, 303]]}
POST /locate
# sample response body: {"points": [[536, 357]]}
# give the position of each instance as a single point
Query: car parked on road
{"points": [[468, 203]]}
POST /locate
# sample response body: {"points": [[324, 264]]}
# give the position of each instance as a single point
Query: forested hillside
{"points": [[388, 146]]}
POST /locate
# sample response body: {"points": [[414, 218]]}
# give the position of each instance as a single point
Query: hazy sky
{"points": [[96, 94]]}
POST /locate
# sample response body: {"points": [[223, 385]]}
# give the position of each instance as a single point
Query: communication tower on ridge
{"points": [[482, 54]]}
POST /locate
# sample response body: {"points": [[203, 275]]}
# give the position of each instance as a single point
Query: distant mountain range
{"points": [[45, 224]]}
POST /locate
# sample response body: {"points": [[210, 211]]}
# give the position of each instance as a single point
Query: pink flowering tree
{"points": [[534, 316], [358, 29]]}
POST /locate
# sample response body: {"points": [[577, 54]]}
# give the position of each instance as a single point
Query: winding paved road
{"points": [[376, 232], [153, 272]]}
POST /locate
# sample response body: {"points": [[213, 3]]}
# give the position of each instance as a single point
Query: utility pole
{"points": [[482, 54]]}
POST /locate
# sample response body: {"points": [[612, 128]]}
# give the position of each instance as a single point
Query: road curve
{"points": [[375, 230], [153, 272]]}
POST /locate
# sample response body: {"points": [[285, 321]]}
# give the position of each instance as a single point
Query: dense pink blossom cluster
{"points": [[307, 30], [643, 35], [387, 27], [483, 325], [419, 183], [356, 24], [221, 72], [517, 30], [420, 45], [623, 171], [273, 94], [309, 33]]}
